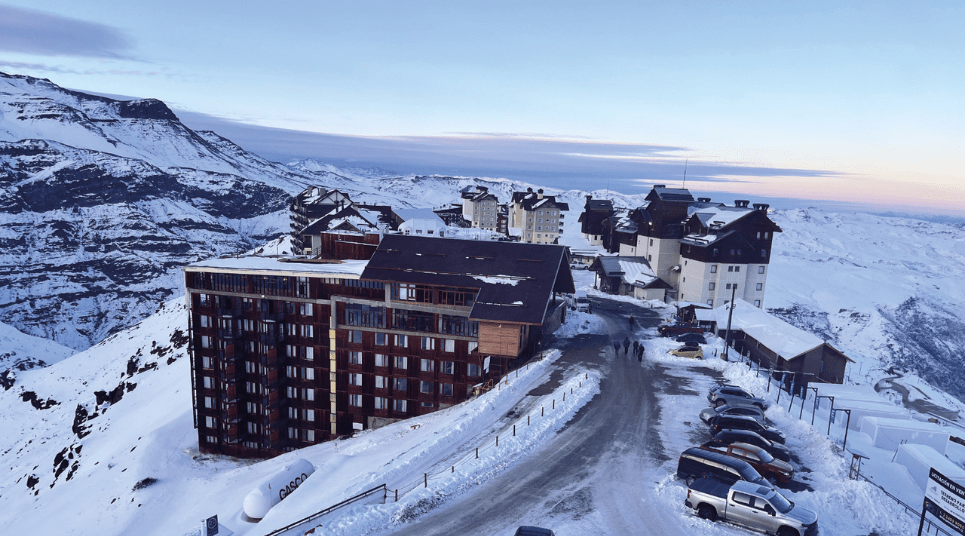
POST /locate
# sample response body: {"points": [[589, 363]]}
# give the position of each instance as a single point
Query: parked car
{"points": [[696, 338], [746, 422], [697, 463], [709, 413], [672, 330], [733, 395], [693, 351], [583, 302], [726, 437], [534, 531], [753, 506], [768, 466]]}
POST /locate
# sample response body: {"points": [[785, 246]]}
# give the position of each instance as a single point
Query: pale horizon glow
{"points": [[859, 102]]}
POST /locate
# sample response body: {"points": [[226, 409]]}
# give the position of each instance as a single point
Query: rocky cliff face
{"points": [[102, 202]]}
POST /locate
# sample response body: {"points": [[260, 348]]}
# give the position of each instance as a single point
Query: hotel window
{"points": [[380, 382], [428, 343], [306, 330], [307, 353], [206, 342], [309, 415], [472, 346], [446, 389], [308, 394], [305, 309], [310, 435], [355, 358], [450, 345], [204, 299], [710, 303], [355, 400], [355, 336], [760, 269], [206, 362], [711, 286], [448, 367], [206, 321], [472, 370], [381, 339], [381, 403], [208, 382], [758, 235], [760, 286], [713, 268], [426, 365], [355, 379], [209, 401], [757, 303], [763, 253], [737, 268], [400, 384], [400, 362], [381, 360], [425, 388], [254, 428], [427, 404], [291, 371], [400, 405], [210, 422], [402, 341]]}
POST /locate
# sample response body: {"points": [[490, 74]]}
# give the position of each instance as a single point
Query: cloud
{"points": [[22, 66], [29, 31]]}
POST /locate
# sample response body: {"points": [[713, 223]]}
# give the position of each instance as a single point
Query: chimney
{"points": [[529, 190], [482, 189], [659, 185], [539, 194], [761, 206], [703, 200], [742, 203]]}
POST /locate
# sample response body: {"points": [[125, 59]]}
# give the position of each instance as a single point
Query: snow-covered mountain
{"points": [[102, 201]]}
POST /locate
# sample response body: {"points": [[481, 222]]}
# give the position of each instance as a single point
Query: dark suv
{"points": [[745, 422], [697, 463], [733, 395]]}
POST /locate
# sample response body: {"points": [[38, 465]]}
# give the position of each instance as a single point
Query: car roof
{"points": [[745, 433]]}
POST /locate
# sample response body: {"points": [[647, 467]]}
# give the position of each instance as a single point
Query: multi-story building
{"points": [[286, 353], [313, 203], [481, 208], [595, 213], [725, 253], [538, 217], [706, 252]]}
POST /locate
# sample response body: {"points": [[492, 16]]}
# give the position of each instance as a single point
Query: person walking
{"points": [[636, 347], [616, 347], [631, 320], [626, 345], [640, 353]]}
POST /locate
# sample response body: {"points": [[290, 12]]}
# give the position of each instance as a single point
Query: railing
{"points": [[320, 513]]}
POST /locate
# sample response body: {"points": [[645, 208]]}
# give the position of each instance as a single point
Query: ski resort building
{"points": [[705, 252], [481, 208], [286, 353], [538, 217]]}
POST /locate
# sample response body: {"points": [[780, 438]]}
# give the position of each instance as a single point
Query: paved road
{"points": [[596, 463]]}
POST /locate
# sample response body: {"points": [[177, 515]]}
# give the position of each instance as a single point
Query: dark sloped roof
{"points": [[516, 280], [673, 194], [599, 204]]}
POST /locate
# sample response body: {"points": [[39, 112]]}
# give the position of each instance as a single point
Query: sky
{"points": [[843, 102]]}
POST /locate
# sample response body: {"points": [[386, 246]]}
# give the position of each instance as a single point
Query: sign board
{"points": [[945, 499], [486, 364], [210, 526]]}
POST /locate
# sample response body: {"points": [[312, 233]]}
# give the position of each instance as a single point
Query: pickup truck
{"points": [[750, 505]]}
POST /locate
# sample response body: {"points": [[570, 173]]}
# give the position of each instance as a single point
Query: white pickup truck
{"points": [[751, 505]]}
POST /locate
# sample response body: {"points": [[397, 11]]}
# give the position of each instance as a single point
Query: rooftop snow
{"points": [[784, 339], [349, 269]]}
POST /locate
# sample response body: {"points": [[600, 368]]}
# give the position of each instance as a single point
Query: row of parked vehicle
{"points": [[732, 476]]}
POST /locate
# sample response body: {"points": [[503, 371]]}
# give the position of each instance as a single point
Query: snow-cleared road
{"points": [[599, 469]]}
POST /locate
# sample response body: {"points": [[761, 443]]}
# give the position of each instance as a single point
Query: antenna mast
{"points": [[687, 161]]}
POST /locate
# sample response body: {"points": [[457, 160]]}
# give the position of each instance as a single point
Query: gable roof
{"points": [[672, 194], [516, 280], [634, 271], [777, 335]]}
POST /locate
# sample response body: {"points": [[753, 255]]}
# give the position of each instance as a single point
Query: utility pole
{"points": [[730, 317]]}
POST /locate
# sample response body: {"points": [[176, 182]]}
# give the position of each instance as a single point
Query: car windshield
{"points": [[765, 456], [780, 503]]}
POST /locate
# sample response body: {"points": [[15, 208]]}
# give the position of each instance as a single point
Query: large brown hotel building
{"points": [[286, 353]]}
